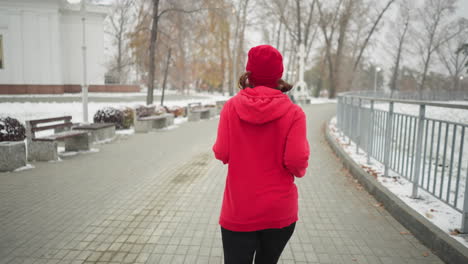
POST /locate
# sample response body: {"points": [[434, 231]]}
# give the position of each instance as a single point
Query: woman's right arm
{"points": [[296, 154]]}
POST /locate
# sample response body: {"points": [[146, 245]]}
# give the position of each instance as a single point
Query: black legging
{"points": [[268, 244]]}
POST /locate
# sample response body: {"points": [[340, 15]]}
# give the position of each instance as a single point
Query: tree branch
{"points": [[371, 32]]}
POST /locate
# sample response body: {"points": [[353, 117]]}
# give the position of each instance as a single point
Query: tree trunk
{"points": [[166, 71], [278, 36], [398, 58], [152, 50], [298, 15], [240, 47]]}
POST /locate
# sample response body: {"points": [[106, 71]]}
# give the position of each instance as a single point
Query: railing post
{"points": [[464, 227], [339, 118], [350, 128], [346, 118], [358, 125], [388, 134], [418, 157], [370, 138]]}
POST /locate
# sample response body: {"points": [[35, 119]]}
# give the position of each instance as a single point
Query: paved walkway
{"points": [[155, 198]]}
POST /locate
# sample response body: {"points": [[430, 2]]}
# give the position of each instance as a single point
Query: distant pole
{"points": [[377, 70], [84, 85]]}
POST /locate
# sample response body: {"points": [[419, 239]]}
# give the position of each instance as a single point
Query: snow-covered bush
{"points": [[110, 115], [127, 117], [143, 110], [11, 130], [176, 110]]}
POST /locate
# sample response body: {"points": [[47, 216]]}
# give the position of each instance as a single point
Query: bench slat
{"points": [[53, 119], [94, 126], [61, 135], [42, 128]]}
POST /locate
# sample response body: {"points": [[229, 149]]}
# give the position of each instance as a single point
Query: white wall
{"points": [[27, 36], [42, 43], [71, 38]]}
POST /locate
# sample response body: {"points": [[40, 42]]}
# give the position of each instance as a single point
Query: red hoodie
{"points": [[262, 136]]}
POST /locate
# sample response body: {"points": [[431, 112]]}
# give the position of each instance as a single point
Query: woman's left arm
{"points": [[221, 146]]}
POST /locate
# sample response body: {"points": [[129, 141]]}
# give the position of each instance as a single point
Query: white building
{"points": [[41, 40]]}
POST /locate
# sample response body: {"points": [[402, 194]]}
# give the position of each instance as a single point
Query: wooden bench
{"points": [[99, 131], [45, 148], [147, 123], [195, 112]]}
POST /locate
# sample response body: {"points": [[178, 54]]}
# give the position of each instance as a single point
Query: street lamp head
{"points": [[462, 77], [378, 69]]}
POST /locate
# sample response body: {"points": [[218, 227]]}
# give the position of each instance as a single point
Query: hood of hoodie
{"points": [[261, 104]]}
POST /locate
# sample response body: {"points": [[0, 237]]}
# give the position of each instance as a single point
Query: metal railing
{"points": [[428, 95], [431, 153]]}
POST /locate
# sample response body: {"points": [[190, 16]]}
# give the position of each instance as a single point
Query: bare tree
{"points": [[156, 15], [401, 27], [121, 21], [435, 21], [241, 21], [450, 54]]}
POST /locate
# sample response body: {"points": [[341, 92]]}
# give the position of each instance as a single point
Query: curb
{"points": [[441, 244]]}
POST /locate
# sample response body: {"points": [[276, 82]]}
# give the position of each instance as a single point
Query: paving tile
{"points": [[162, 206]]}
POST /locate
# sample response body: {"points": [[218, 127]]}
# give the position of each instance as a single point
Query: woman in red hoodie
{"points": [[262, 137]]}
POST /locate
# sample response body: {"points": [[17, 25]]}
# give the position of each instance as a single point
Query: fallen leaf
{"points": [[433, 210], [428, 215], [354, 259], [426, 254], [378, 204], [455, 232], [404, 232]]}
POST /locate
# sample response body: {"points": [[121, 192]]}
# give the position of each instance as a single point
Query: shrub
{"points": [[11, 130], [176, 110], [143, 110], [110, 115], [127, 117]]}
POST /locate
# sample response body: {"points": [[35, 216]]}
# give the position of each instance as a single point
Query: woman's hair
{"points": [[283, 86]]}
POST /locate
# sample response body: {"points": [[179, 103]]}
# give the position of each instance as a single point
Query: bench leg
{"points": [[142, 126], [77, 143], [105, 133], [42, 150], [12, 155], [102, 134], [169, 121], [194, 116], [160, 123], [205, 115]]}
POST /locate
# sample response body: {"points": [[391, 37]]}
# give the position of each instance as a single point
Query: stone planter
{"points": [[12, 155]]}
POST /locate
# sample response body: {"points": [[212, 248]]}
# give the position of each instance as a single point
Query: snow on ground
{"points": [[322, 100], [156, 92], [27, 167], [29, 111], [63, 153], [440, 214], [447, 114]]}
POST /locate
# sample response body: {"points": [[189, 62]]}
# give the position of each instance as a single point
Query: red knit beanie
{"points": [[265, 65]]}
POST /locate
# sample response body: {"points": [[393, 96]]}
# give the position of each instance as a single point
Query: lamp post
{"points": [[377, 70], [84, 85]]}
